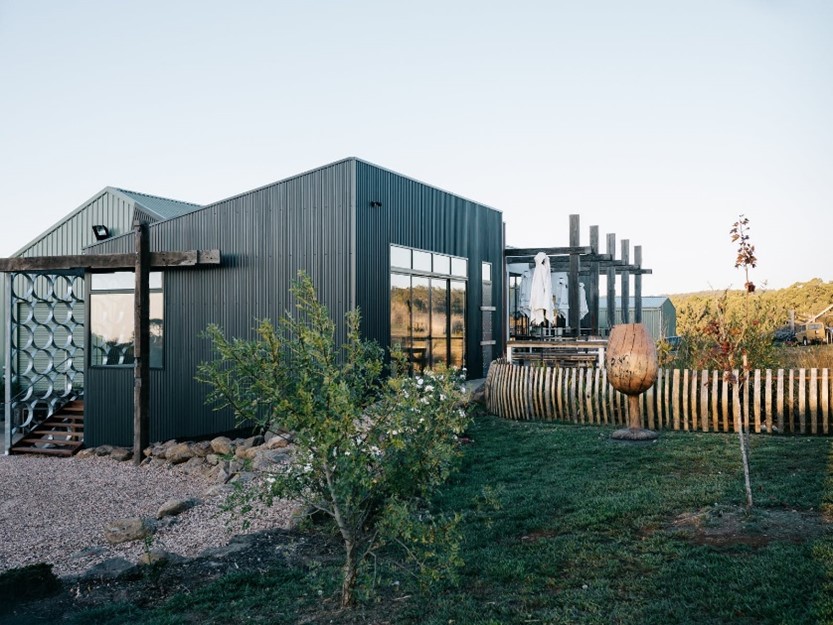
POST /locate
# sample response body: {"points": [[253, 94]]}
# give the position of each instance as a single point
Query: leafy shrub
{"points": [[370, 451]]}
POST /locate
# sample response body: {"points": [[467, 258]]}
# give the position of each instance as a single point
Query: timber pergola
{"points": [[588, 260], [141, 262]]}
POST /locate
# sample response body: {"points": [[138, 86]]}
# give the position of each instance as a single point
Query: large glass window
{"points": [[111, 319], [427, 307]]}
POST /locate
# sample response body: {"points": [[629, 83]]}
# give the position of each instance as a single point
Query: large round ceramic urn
{"points": [[631, 363]]}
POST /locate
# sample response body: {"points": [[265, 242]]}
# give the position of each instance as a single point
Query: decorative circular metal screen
{"points": [[47, 342]]}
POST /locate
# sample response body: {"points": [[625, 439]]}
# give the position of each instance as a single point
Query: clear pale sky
{"points": [[659, 121]]}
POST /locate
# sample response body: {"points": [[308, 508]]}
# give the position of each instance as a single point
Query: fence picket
{"points": [[768, 400], [825, 398], [779, 400], [704, 400], [675, 392], [724, 400], [737, 416], [802, 400], [685, 400], [756, 400], [814, 396], [715, 403]]}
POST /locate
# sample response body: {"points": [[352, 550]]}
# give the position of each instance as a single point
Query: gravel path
{"points": [[54, 510]]}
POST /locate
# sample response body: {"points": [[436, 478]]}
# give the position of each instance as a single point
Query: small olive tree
{"points": [[370, 450]]}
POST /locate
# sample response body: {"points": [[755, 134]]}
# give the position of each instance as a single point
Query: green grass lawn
{"points": [[587, 531]]}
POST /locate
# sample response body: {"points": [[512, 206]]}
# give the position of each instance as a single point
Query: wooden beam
{"points": [[593, 283], [530, 252], [625, 279], [110, 262], [637, 284], [141, 341], [573, 279], [611, 282]]}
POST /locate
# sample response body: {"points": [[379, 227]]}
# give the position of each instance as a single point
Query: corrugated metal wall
{"points": [[416, 215], [265, 237]]}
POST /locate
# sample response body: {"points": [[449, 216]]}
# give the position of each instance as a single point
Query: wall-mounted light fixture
{"points": [[101, 232], [375, 204]]}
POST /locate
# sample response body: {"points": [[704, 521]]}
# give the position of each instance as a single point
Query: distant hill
{"points": [[774, 306]]}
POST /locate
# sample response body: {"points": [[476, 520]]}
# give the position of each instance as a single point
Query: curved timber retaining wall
{"points": [[784, 400]]}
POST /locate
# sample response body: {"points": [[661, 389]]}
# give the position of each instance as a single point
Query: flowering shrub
{"points": [[370, 451]]}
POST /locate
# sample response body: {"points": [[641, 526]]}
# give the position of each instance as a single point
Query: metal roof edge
{"points": [[65, 219], [412, 179], [124, 193]]}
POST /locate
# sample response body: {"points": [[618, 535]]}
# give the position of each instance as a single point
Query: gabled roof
{"points": [[161, 207], [156, 207]]}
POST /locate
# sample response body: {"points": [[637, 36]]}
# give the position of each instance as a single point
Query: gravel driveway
{"points": [[54, 510]]}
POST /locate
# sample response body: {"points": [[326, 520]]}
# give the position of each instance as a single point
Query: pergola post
{"points": [[572, 279], [141, 342], [626, 299], [637, 283], [611, 282], [593, 283]]}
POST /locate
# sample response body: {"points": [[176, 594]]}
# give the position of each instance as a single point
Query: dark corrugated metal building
{"points": [[424, 266]]}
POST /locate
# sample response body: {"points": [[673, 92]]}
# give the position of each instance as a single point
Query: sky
{"points": [[660, 121]]}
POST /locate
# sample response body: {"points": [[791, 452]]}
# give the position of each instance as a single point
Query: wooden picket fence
{"points": [[788, 401]]}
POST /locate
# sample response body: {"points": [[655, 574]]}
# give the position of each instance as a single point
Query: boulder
{"points": [[121, 454], [268, 459], [252, 441], [114, 568], [127, 530], [158, 556], [212, 459], [86, 453], [179, 453], [277, 442], [173, 507], [202, 448], [103, 450], [222, 445]]}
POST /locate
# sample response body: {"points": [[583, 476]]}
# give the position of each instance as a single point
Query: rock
{"points": [[299, 514], [201, 449], [157, 556], [121, 454], [248, 453], [222, 552], [127, 530], [235, 466], [252, 441], [222, 446], [86, 453], [243, 477], [172, 507], [277, 442], [268, 459], [193, 465], [478, 396], [219, 489], [212, 459], [147, 452], [88, 552], [114, 568], [103, 450], [179, 453]]}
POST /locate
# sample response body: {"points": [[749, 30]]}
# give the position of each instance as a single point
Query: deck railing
{"points": [[794, 401]]}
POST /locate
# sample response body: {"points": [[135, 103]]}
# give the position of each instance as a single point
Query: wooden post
{"points": [[611, 283], [572, 280], [593, 284], [637, 284], [141, 342], [626, 296]]}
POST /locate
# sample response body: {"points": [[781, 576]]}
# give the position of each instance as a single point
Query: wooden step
{"points": [[51, 432], [34, 440], [50, 451]]}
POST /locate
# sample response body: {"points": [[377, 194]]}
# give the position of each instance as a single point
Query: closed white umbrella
{"points": [[562, 297], [582, 301], [540, 297]]}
